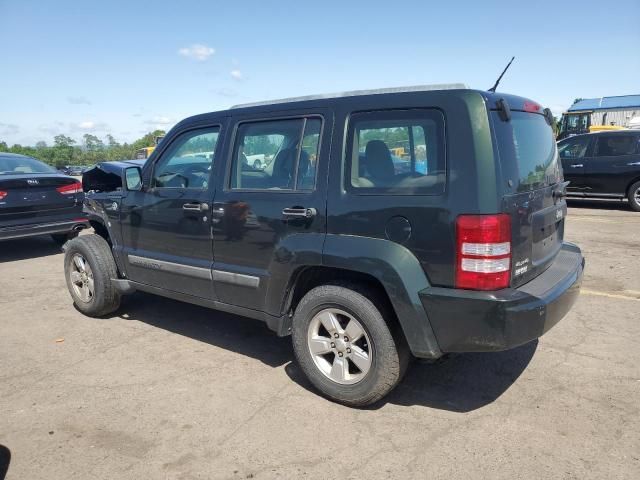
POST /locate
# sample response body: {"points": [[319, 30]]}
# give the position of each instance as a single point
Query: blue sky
{"points": [[127, 67]]}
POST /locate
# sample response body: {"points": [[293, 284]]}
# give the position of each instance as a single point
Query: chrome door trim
{"points": [[236, 278], [170, 267]]}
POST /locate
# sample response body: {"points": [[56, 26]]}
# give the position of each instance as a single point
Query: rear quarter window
{"points": [[397, 152]]}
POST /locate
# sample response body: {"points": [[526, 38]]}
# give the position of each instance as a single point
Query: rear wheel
{"points": [[89, 267], [634, 196], [344, 345]]}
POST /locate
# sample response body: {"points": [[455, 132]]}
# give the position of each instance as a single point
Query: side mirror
{"points": [[133, 179]]}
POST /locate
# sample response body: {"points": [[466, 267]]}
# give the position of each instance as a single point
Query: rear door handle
{"points": [[299, 212], [577, 165], [195, 207]]}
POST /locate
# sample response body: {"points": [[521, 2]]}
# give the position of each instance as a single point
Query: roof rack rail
{"points": [[353, 93]]}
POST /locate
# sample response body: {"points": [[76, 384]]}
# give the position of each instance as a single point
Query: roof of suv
{"points": [[515, 102], [355, 93], [605, 132]]}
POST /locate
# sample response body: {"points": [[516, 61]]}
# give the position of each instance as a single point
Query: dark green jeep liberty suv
{"points": [[386, 224]]}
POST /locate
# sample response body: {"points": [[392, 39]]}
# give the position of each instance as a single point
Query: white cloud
{"points": [[90, 126], [197, 52], [9, 128], [159, 120], [79, 100], [49, 129], [236, 74], [226, 92]]}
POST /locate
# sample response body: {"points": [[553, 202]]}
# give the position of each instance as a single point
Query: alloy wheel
{"points": [[339, 346], [82, 278]]}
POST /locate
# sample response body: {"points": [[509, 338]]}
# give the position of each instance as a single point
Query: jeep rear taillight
{"points": [[483, 255], [72, 188]]}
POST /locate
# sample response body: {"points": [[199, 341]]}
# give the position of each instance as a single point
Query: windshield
{"points": [[527, 148], [22, 165]]}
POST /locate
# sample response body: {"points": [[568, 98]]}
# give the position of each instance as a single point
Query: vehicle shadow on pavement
{"points": [[599, 204], [5, 459], [457, 382], [224, 330], [25, 248]]}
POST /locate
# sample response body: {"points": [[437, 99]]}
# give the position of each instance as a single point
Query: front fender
{"points": [[103, 211], [401, 276]]}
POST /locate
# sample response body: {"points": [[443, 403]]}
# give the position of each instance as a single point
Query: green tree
{"points": [[63, 150], [92, 143], [149, 140], [111, 142], [63, 141], [577, 100]]}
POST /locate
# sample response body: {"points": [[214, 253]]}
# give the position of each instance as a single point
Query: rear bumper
{"points": [[472, 321], [45, 228]]}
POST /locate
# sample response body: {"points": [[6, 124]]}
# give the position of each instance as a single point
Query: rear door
{"points": [[616, 162], [574, 153], [166, 227], [268, 218], [529, 159]]}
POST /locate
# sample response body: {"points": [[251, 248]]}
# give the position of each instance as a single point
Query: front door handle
{"points": [[299, 212], [577, 165], [195, 207]]}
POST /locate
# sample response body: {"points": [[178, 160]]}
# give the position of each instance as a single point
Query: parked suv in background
{"points": [[603, 165], [363, 263]]}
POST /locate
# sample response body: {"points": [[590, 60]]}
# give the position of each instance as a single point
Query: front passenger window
{"points": [[188, 160], [574, 148]]}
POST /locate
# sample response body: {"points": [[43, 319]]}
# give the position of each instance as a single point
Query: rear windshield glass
{"points": [[527, 149], [20, 165]]}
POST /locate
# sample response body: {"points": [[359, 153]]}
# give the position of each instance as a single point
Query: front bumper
{"points": [[45, 228], [474, 321]]}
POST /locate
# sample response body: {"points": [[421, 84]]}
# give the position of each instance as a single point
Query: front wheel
{"points": [[345, 347], [634, 196], [89, 267]]}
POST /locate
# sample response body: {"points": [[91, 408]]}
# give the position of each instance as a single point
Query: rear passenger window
{"points": [[276, 155], [396, 152], [616, 145]]}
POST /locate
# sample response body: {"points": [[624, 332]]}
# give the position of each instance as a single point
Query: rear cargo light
{"points": [[70, 189], [3, 194], [483, 251]]}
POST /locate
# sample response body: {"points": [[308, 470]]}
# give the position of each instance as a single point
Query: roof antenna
{"points": [[493, 89]]}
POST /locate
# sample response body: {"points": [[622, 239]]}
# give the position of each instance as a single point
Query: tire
{"points": [[94, 251], [386, 349], [634, 196], [62, 238]]}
